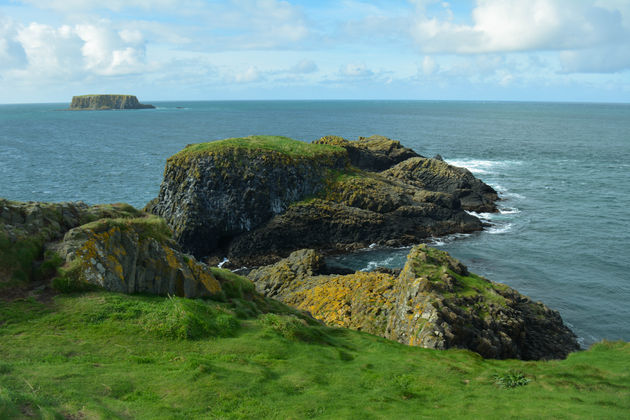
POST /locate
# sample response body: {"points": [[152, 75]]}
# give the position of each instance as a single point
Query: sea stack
{"points": [[106, 102]]}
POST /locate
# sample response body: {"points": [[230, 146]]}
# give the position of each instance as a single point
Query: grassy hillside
{"points": [[105, 355]]}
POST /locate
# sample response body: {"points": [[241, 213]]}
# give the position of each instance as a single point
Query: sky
{"points": [[512, 50]]}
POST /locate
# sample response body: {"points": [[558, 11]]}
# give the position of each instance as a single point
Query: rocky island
{"points": [[106, 102], [257, 199]]}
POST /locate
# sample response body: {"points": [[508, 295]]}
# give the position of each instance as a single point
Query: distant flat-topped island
{"points": [[106, 102]]}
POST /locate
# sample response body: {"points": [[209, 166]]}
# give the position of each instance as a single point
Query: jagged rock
{"points": [[437, 175], [258, 198], [106, 102], [375, 153], [434, 302]]}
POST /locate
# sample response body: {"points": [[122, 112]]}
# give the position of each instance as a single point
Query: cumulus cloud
{"points": [[40, 52], [515, 25], [108, 52]]}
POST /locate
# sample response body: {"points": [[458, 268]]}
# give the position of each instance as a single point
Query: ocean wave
{"points": [[499, 228], [371, 265], [444, 240], [477, 166], [508, 210], [483, 216]]}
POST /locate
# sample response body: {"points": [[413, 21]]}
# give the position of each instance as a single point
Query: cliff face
{"points": [[259, 198], [433, 303], [106, 102]]}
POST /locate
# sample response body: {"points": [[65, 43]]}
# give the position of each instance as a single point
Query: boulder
{"points": [[434, 303]]}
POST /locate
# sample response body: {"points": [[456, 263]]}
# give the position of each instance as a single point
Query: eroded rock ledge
{"points": [[256, 199], [434, 303]]}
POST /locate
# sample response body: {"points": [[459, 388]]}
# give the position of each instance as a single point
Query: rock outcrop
{"points": [[256, 199], [437, 175], [433, 303], [114, 247], [375, 153], [106, 102]]}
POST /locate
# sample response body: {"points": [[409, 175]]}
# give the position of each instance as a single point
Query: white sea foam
{"points": [[379, 263], [222, 263], [500, 228], [477, 166], [443, 240], [483, 216], [509, 210]]}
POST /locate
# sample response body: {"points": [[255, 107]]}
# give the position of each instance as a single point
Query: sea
{"points": [[562, 170]]}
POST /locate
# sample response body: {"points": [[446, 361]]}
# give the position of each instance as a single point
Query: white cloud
{"points": [[108, 52], [515, 25], [41, 53]]}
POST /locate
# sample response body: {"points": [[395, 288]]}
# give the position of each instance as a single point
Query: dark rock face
{"points": [[107, 102], [434, 303], [258, 204], [212, 197]]}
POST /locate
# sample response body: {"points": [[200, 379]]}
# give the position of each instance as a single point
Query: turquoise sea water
{"points": [[563, 171]]}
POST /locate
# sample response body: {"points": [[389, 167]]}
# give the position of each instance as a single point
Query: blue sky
{"points": [[548, 50]]}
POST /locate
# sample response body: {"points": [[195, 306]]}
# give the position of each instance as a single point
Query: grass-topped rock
{"points": [[256, 199], [433, 303], [106, 102], [215, 191]]}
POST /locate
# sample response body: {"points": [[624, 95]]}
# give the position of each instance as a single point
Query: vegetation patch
{"points": [[279, 144], [511, 379]]}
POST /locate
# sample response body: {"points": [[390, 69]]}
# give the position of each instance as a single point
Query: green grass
{"points": [[105, 355], [102, 94], [279, 144], [147, 227]]}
